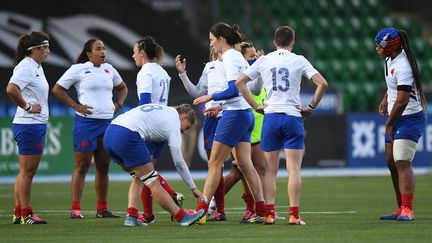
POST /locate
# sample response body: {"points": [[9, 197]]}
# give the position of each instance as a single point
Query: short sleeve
{"points": [[253, 71], [307, 68], [21, 77], [69, 77]]}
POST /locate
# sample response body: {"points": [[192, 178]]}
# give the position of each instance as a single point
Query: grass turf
{"points": [[335, 209]]}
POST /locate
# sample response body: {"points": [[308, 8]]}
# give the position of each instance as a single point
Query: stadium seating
{"points": [[337, 36]]}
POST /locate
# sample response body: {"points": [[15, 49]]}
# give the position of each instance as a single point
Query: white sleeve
{"points": [[189, 86], [21, 77], [182, 167], [253, 71], [144, 83], [308, 69], [68, 78], [255, 86], [117, 80]]}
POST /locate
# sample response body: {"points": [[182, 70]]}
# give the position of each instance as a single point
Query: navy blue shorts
{"points": [[125, 146], [282, 131], [409, 127], [86, 132], [30, 138], [210, 124], [235, 126], [155, 148]]}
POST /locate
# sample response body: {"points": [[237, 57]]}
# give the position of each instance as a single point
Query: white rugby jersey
{"points": [[153, 79], [282, 73], [94, 86], [234, 64], [29, 76], [158, 123], [400, 73], [212, 80]]}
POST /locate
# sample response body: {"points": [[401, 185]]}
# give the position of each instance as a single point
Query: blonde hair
{"points": [[188, 111]]}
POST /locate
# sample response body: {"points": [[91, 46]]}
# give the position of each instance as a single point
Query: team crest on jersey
{"points": [[106, 70], [392, 72]]}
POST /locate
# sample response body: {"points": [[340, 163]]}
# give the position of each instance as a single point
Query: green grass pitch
{"points": [[335, 209]]}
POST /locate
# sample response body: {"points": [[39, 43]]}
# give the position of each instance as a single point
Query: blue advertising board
{"points": [[366, 145]]}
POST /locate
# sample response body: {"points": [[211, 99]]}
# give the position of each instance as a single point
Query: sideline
{"points": [[173, 175]]}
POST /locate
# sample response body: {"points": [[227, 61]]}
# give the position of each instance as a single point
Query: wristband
{"points": [[27, 107], [311, 107]]}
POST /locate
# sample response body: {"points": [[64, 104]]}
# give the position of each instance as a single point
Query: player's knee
{"points": [[149, 178]]}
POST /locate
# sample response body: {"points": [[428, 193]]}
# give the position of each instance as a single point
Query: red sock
{"points": [[17, 211], [179, 215], [260, 208], [249, 200], [166, 186], [270, 208], [76, 205], [202, 205], [294, 211], [399, 200], [407, 200], [101, 206], [147, 201], [26, 211], [220, 196], [133, 212]]}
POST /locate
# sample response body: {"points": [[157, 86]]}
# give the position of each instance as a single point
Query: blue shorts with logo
{"points": [[125, 146], [209, 128], [235, 126], [282, 131], [409, 127], [30, 138], [86, 132]]}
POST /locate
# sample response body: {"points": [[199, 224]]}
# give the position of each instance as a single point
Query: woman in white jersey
{"points": [[282, 72], [124, 140], [235, 126], [94, 80], [153, 84], [212, 80], [403, 105], [28, 88]]}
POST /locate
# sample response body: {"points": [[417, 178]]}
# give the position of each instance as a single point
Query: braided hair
{"points": [[151, 48], [413, 63]]}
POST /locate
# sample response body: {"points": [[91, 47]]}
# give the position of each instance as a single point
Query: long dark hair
{"points": [[231, 34], [82, 58], [413, 63], [26, 41]]}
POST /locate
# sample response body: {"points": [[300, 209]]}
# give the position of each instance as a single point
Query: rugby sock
{"points": [[179, 215], [165, 185], [17, 211], [76, 205], [294, 211], [407, 200], [202, 205], [133, 212], [147, 201], [101, 206], [220, 196], [26, 211], [250, 203], [260, 208], [270, 208]]}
